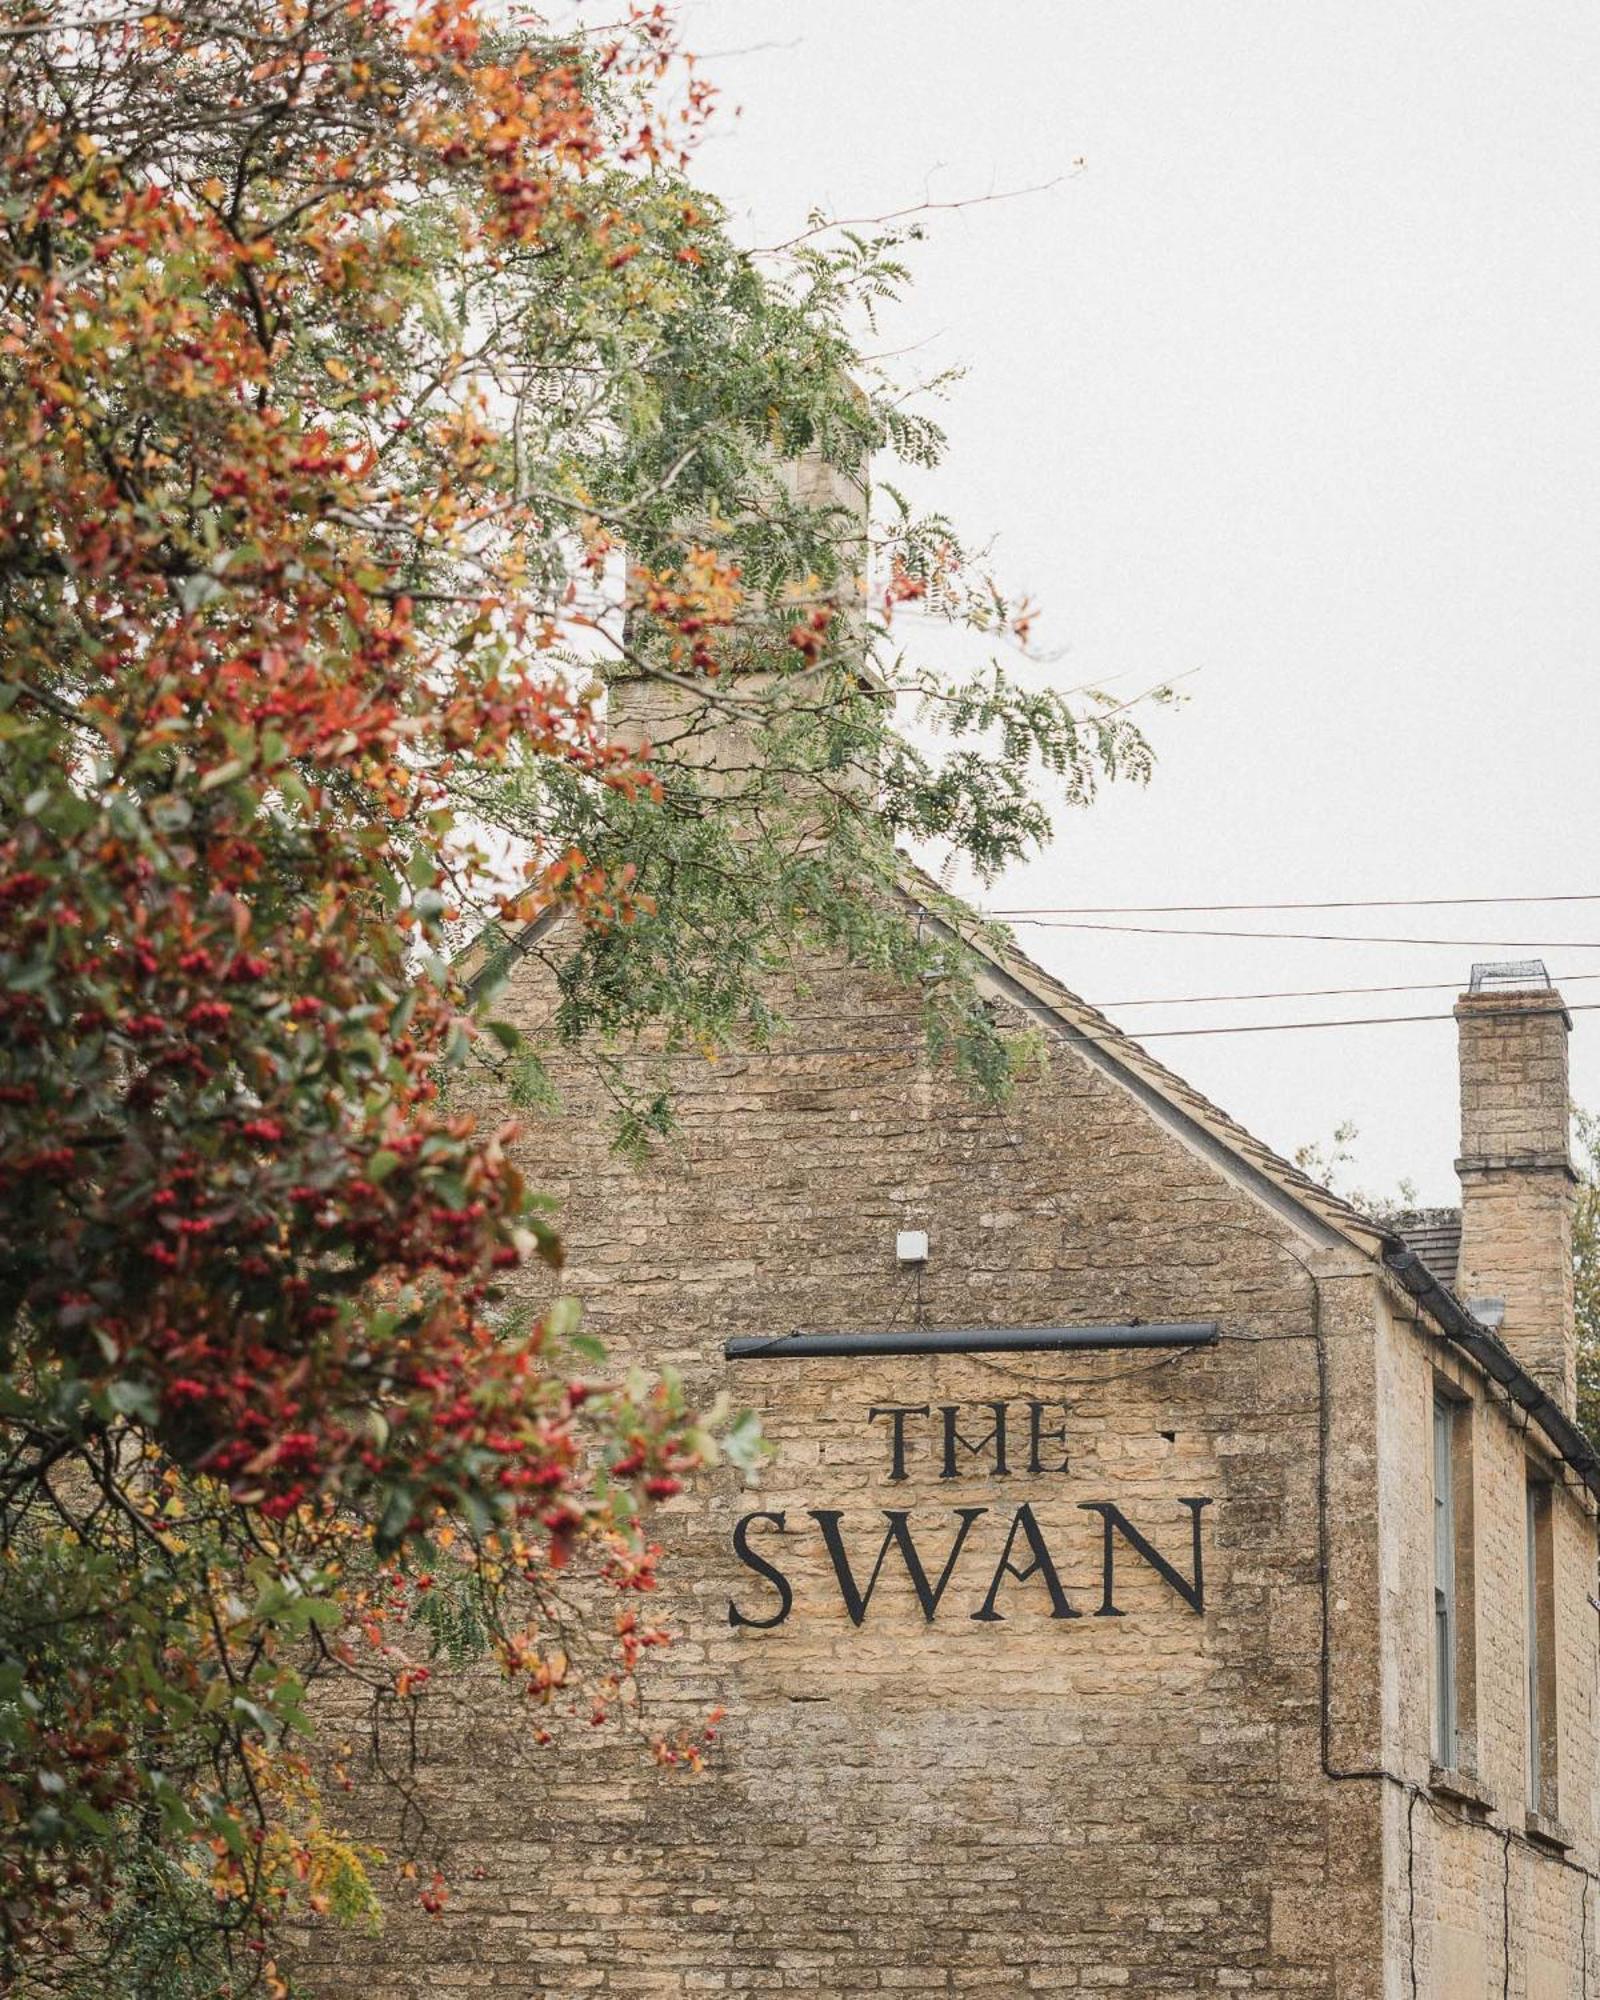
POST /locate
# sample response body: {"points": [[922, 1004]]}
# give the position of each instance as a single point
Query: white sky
{"points": [[1293, 389]]}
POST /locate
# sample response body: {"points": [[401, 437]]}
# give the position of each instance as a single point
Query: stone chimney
{"points": [[1517, 1181], [706, 733]]}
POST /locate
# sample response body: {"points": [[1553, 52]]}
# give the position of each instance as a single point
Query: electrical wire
{"points": [[1356, 1021], [897, 1044], [1316, 992], [1312, 937], [1201, 909], [1557, 979]]}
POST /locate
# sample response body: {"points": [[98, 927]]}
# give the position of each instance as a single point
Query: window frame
{"points": [[1453, 1640], [1540, 1686], [1446, 1593]]}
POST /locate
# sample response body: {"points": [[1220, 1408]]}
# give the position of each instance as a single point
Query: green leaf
{"points": [[95, 1822], [742, 1443], [562, 1317], [531, 1085], [395, 1519], [133, 1399]]}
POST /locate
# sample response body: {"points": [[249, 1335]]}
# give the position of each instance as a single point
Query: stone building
{"points": [[1166, 1581]]}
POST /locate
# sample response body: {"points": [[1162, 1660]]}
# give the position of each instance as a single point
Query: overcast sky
{"points": [[1290, 389]]}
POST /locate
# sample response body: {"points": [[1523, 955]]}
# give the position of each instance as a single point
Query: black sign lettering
{"points": [[896, 1535], [1038, 1436], [773, 1575], [897, 1412], [996, 1437], [1193, 1594], [1026, 1555], [1024, 1524]]}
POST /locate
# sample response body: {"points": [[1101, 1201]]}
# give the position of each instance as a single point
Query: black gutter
{"points": [[975, 1340], [1496, 1360]]}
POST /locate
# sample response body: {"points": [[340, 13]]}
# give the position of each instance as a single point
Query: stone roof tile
{"points": [[1435, 1235]]}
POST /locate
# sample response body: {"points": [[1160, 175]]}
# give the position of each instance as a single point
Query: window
{"points": [[1455, 1640], [1444, 1585], [1541, 1652]]}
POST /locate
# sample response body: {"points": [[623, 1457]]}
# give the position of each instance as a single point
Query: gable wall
{"points": [[1010, 1806]]}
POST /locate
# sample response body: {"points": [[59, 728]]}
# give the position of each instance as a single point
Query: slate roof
{"points": [[1435, 1235]]}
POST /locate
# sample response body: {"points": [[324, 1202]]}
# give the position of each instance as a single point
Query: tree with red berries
{"points": [[376, 387]]}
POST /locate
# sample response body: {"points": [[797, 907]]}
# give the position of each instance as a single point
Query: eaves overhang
{"points": [[1496, 1360]]}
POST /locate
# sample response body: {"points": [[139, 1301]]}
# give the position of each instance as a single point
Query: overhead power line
{"points": [[1313, 937], [1363, 1021], [895, 1044], [1317, 992], [1220, 909]]}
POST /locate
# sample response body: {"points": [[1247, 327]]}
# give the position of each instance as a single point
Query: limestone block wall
{"points": [[1464, 1874], [1012, 1803]]}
